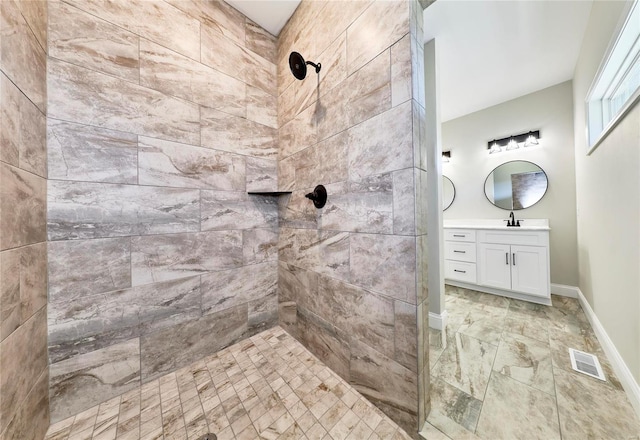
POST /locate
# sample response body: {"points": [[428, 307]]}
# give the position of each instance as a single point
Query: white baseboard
{"points": [[438, 322], [564, 290], [619, 366]]}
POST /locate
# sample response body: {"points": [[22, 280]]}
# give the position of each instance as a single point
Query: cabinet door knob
{"points": [[514, 259], [461, 271], [506, 258], [460, 252]]}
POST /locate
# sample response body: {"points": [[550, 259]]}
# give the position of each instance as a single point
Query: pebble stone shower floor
{"points": [[266, 387]]}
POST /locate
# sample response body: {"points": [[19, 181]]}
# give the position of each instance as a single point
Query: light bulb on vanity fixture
{"points": [[494, 147], [512, 145], [531, 139], [446, 156]]}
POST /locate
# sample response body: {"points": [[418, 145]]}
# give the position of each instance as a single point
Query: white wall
{"points": [[550, 111], [608, 201]]}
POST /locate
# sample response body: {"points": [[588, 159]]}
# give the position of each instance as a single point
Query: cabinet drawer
{"points": [[460, 235], [532, 238], [460, 251], [460, 271]]}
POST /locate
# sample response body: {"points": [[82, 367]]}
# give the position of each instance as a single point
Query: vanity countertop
{"points": [[527, 224]]}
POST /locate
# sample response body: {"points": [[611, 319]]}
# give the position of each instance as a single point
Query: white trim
{"points": [[619, 366], [564, 290], [438, 322]]}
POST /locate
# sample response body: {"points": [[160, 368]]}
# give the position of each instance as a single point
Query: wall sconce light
{"points": [[513, 142], [446, 156]]}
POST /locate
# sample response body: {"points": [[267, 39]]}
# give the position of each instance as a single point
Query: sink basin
{"points": [[525, 224]]}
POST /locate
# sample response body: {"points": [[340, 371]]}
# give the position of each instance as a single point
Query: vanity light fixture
{"points": [[513, 142], [446, 156]]}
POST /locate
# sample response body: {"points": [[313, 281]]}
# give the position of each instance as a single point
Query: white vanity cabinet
{"points": [[511, 262]]}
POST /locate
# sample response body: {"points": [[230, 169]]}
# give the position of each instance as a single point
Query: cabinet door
{"points": [[494, 269], [529, 270]]}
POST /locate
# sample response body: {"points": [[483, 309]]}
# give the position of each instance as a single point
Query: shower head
{"points": [[298, 65]]}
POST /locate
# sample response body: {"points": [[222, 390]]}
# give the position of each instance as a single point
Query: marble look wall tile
{"points": [[166, 257], [530, 412], [222, 131], [406, 335], [324, 252], [587, 407], [335, 20], [381, 144], [417, 71], [404, 202], [180, 345], [223, 210], [260, 41], [363, 315], [287, 317], [96, 321], [420, 139], [183, 35], [381, 25], [22, 367], [263, 312], [22, 58], [401, 71], [299, 96], [230, 288], [457, 406], [525, 360], [362, 206], [22, 207], [76, 382], [10, 311], [259, 245], [85, 40], [87, 97], [23, 133], [31, 419], [23, 285], [262, 107], [91, 322], [165, 163], [217, 15], [262, 174], [91, 154], [326, 162], [325, 341], [176, 75], [296, 284], [95, 210], [299, 133], [227, 56], [384, 264], [466, 364], [363, 95], [78, 268], [422, 207], [298, 212], [36, 15], [334, 63], [387, 384]]}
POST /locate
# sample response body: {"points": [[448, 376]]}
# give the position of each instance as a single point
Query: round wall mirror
{"points": [[448, 192], [516, 185]]}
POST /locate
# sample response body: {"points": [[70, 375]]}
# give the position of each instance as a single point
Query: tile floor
{"points": [[266, 387], [502, 371]]}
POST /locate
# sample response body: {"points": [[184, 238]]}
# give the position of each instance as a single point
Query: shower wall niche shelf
{"points": [[269, 193]]}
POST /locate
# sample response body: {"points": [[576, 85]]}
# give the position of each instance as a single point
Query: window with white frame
{"points": [[616, 88]]}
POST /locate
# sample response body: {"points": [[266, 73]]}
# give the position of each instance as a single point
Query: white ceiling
{"points": [[272, 15], [493, 51]]}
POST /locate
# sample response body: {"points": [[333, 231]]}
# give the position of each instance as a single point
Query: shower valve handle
{"points": [[319, 196]]}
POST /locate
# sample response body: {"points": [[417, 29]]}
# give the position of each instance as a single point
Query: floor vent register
{"points": [[586, 363]]}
